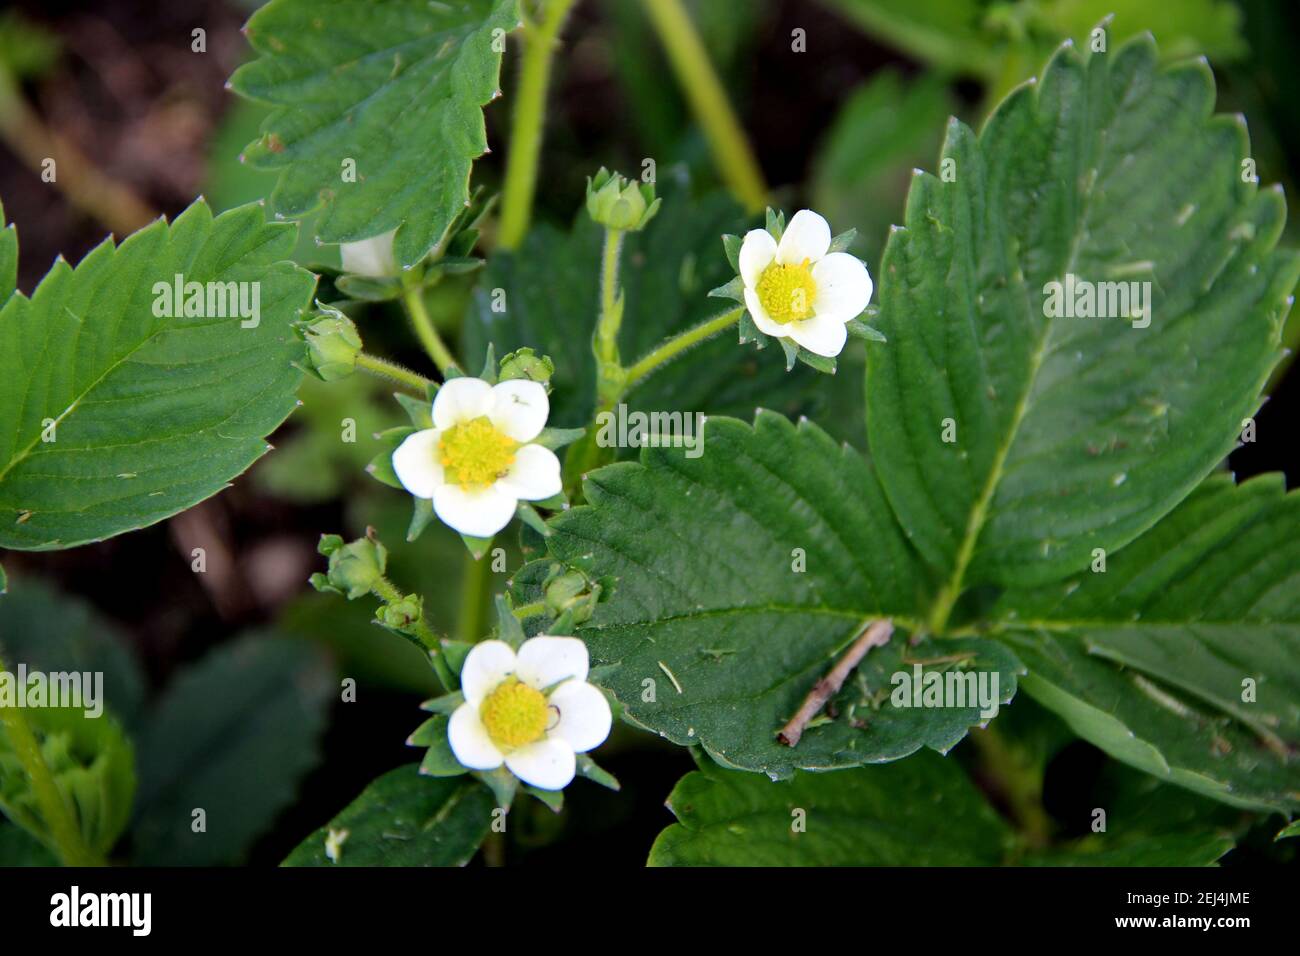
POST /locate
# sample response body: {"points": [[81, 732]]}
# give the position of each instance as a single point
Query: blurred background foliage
{"points": [[227, 682]]}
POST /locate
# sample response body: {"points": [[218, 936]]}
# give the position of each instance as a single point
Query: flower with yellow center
{"points": [[532, 711], [478, 461], [800, 290]]}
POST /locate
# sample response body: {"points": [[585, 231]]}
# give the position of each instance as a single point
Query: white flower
{"points": [[532, 711], [476, 462], [799, 290], [370, 257]]}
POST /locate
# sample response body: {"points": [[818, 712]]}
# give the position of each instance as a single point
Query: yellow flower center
{"points": [[514, 714], [476, 453], [787, 292]]}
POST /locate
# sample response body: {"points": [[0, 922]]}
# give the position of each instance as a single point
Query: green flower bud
{"points": [[401, 614], [332, 346], [616, 203], [354, 568], [527, 364], [571, 591]]}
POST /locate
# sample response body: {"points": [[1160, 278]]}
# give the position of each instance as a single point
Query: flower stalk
{"points": [[539, 40]]}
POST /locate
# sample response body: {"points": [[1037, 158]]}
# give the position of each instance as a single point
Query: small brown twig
{"points": [[876, 634]]}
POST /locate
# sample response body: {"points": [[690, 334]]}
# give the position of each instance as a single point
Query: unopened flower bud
{"points": [[354, 568], [332, 346], [617, 203], [527, 364]]}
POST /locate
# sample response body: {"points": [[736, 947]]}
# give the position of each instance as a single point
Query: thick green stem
{"points": [[539, 41], [708, 100], [473, 597], [680, 343], [393, 372], [611, 302], [413, 299], [56, 813]]}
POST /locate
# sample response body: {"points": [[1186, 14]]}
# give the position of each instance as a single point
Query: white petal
{"points": [[759, 315], [370, 257], [417, 465], [823, 334], [808, 236], [535, 475], [477, 512], [486, 665], [544, 661], [756, 254], [546, 764], [843, 285], [520, 408], [470, 741], [461, 400], [585, 717]]}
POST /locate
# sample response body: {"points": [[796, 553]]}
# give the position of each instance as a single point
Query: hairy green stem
{"points": [[708, 101], [389, 593], [393, 372], [56, 812], [539, 40], [413, 299], [675, 346], [611, 302]]}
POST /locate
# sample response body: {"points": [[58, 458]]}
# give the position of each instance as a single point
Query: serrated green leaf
{"points": [[919, 812], [398, 88], [709, 603], [403, 819], [151, 414], [1150, 660], [1072, 433], [233, 735]]}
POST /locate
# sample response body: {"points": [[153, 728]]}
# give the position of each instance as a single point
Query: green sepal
{"points": [[439, 761], [589, 769], [455, 653], [749, 332], [775, 223], [734, 290], [508, 627], [425, 734], [791, 352], [555, 438], [502, 783], [440, 705], [529, 516], [381, 466], [420, 411], [859, 329], [731, 245], [820, 362], [489, 373], [554, 799], [421, 516], [477, 546], [843, 241]]}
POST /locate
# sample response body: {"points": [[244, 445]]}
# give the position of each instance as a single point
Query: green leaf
{"points": [[404, 819], [234, 736], [53, 632], [710, 605], [918, 812], [398, 88], [113, 418], [1152, 659], [8, 259], [1072, 433], [551, 299], [93, 766], [1292, 829]]}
